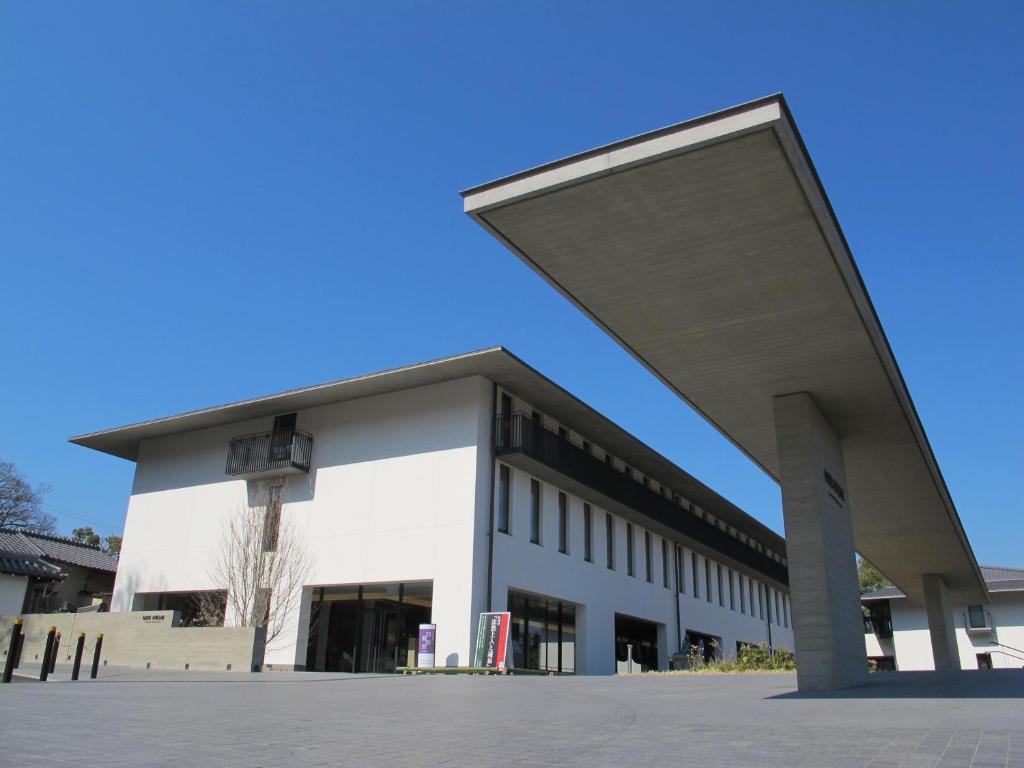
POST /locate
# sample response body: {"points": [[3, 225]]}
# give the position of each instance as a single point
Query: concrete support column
{"points": [[945, 653], [828, 628]]}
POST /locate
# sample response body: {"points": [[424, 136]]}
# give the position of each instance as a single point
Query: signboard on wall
{"points": [[425, 649], [492, 640]]}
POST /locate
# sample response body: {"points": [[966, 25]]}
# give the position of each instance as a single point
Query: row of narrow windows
{"points": [[650, 483], [730, 583]]}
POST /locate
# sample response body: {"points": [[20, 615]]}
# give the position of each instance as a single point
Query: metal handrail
{"points": [[969, 625], [519, 433], [267, 451]]}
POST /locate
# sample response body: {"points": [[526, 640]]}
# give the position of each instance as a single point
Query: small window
{"points": [[976, 616], [586, 447], [535, 511], [750, 590], [664, 562], [609, 529], [743, 596], [563, 433], [630, 565], [707, 579], [778, 613], [588, 534], [563, 523], [760, 599], [272, 518], [696, 580], [647, 556], [680, 570], [504, 497], [732, 590], [721, 592]]}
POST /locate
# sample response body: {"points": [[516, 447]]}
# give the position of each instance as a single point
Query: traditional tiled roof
{"points": [[58, 549], [996, 579], [995, 573], [21, 566], [19, 557]]}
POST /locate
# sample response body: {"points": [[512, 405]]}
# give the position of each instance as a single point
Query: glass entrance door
{"points": [[367, 627]]}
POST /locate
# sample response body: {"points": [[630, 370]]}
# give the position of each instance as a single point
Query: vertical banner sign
{"points": [[492, 640], [425, 654]]}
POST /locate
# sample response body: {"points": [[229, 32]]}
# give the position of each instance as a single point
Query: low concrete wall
{"points": [[137, 638]]}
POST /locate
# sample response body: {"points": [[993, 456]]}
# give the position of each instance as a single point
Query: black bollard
{"points": [[12, 651], [96, 656], [44, 672], [56, 651], [78, 656], [21, 647]]}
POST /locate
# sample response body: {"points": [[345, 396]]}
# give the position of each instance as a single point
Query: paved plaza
{"points": [[296, 719]]}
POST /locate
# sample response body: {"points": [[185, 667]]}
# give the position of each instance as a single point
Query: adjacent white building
{"points": [[434, 492], [988, 636]]}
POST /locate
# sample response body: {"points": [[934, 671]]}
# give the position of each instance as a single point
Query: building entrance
{"points": [[642, 636], [367, 627]]}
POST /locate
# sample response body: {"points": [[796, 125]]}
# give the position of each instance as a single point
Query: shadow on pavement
{"points": [[968, 684]]}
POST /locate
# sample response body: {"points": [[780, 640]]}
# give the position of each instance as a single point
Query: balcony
{"points": [[270, 453], [978, 621], [547, 452]]}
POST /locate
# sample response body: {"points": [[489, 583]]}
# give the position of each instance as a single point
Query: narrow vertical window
{"points": [[505, 422], [588, 534], [696, 580], [664, 562], [630, 569], [732, 590], [680, 570], [707, 579], [750, 586], [535, 511], [647, 555], [760, 599], [785, 610], [563, 523], [743, 597], [721, 592], [504, 496], [272, 518], [777, 611], [609, 530]]}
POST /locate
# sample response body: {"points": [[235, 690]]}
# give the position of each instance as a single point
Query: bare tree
{"points": [[263, 563], [21, 504]]}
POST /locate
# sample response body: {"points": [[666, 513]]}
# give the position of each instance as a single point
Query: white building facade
{"points": [[989, 636], [432, 493]]}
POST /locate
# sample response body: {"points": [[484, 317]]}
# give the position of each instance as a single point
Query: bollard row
{"points": [[50, 653]]}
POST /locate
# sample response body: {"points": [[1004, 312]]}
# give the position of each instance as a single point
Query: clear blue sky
{"points": [[201, 202]]}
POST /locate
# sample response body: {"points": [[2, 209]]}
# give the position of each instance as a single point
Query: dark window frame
{"points": [[563, 523], [504, 499], [630, 556], [588, 534], [536, 491], [609, 533]]}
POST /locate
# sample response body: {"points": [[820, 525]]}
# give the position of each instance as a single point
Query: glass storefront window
{"points": [[543, 633]]}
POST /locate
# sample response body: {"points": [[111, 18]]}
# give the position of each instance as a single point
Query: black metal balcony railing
{"points": [[978, 621], [518, 433], [269, 451]]}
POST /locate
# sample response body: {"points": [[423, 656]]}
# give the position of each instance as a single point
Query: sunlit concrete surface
{"points": [[304, 719]]}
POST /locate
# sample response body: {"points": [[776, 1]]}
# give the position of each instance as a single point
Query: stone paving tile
{"points": [[300, 720]]}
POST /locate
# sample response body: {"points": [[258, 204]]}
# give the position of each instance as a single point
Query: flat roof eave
{"points": [[673, 226], [496, 364]]}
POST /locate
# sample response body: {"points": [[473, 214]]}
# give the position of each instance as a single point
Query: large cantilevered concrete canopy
{"points": [[709, 251]]}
